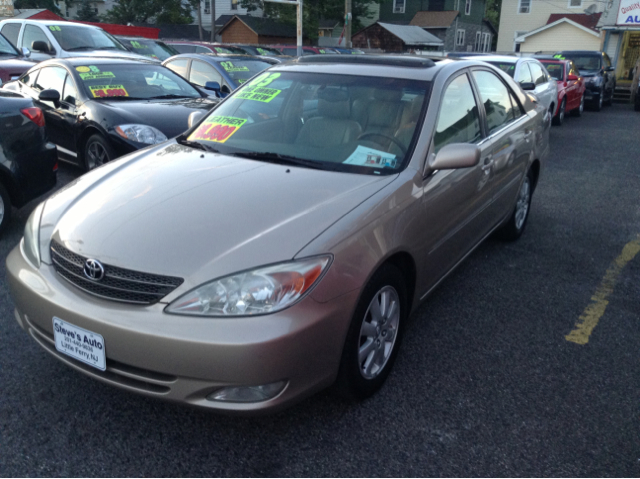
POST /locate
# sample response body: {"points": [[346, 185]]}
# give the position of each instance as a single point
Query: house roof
{"points": [[434, 19], [548, 26], [586, 20], [411, 34], [264, 26]]}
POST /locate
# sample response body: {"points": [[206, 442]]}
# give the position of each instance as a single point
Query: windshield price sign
{"points": [[629, 13], [102, 91], [218, 129]]}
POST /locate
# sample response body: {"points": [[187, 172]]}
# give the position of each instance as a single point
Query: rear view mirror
{"points": [[455, 155], [40, 47], [50, 95], [528, 86], [194, 118]]}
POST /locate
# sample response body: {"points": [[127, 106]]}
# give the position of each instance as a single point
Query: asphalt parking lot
{"points": [[486, 383]]}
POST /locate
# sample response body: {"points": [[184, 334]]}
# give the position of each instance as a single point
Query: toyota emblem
{"points": [[93, 269]]}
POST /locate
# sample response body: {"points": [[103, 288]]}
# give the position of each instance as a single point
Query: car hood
{"points": [[170, 121], [177, 211], [107, 53]]}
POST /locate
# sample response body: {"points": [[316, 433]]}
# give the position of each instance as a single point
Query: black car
{"points": [[28, 162], [636, 103], [598, 73], [230, 71], [99, 109], [154, 49]]}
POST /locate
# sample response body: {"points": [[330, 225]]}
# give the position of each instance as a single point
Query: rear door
{"points": [[544, 89]]}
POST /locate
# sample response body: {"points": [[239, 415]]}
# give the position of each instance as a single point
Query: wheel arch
{"points": [[535, 170], [82, 139]]}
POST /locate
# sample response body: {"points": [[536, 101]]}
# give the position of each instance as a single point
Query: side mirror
{"points": [[455, 155], [194, 118], [225, 89], [212, 85], [572, 78], [40, 47], [50, 95], [26, 52], [528, 86]]}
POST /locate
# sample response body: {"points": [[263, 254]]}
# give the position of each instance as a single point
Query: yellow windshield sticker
{"points": [[230, 67], [256, 93], [55, 28], [261, 51], [217, 128], [103, 91], [135, 44], [96, 76], [83, 69]]}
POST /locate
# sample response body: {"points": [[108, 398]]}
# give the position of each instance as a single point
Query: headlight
{"points": [[31, 240], [594, 80], [141, 133], [260, 291]]}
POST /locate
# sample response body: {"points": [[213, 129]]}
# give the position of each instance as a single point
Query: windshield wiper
{"points": [[123, 98], [195, 144], [77, 49], [280, 159], [165, 97]]}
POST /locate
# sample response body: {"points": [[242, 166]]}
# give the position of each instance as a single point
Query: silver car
{"points": [[279, 245]]}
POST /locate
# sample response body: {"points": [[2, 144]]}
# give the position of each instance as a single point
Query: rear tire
{"points": [[559, 118], [513, 229], [374, 335], [5, 209], [97, 151]]}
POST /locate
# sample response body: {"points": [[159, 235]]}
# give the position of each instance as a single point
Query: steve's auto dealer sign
{"points": [[629, 13]]}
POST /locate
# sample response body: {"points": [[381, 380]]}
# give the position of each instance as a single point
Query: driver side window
{"points": [[458, 119], [34, 34]]}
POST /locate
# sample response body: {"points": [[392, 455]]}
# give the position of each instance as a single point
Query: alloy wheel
{"points": [[378, 332], [561, 112], [522, 206], [581, 107], [97, 155]]}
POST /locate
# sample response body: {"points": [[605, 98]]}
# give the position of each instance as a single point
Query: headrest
{"points": [[333, 103], [387, 94], [411, 111], [383, 114]]}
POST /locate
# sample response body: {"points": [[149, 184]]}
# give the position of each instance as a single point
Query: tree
{"points": [[492, 12], [51, 5], [142, 11], [313, 12], [87, 13], [197, 6]]}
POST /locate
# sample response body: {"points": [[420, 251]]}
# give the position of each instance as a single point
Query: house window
{"points": [[575, 3], [524, 6], [234, 4], [95, 10], [66, 10], [478, 42], [467, 7], [460, 37], [398, 6], [486, 42], [207, 7]]}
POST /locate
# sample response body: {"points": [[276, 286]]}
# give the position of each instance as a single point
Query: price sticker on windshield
{"points": [[96, 75], [104, 91], [230, 67], [218, 129]]}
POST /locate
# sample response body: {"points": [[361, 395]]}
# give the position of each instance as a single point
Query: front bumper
{"points": [[183, 358]]}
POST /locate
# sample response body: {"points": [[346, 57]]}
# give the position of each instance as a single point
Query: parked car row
{"points": [[279, 244]]}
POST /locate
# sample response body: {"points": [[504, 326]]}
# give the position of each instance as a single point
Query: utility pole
{"points": [[213, 20], [298, 5], [347, 23]]}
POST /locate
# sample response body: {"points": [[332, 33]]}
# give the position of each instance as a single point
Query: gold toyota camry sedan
{"points": [[279, 245]]}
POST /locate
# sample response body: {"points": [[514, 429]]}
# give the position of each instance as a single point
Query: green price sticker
{"points": [[55, 28], [138, 45], [96, 76], [256, 93], [230, 67]]}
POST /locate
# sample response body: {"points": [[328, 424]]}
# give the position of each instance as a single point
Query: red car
{"points": [[12, 62], [306, 50], [570, 87]]}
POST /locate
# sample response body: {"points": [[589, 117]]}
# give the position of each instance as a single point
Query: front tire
{"points": [[578, 111], [5, 209], [559, 118], [374, 334], [598, 105], [97, 152], [513, 229]]}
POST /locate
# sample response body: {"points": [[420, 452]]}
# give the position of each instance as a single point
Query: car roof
{"points": [[499, 58], [219, 58], [81, 61], [48, 22]]}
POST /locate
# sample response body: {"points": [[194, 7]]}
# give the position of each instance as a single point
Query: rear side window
{"points": [[184, 48], [201, 73], [524, 74], [200, 49], [179, 66], [11, 31], [458, 119], [34, 34], [496, 99], [538, 74]]}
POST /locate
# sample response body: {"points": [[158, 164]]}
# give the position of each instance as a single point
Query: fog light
{"points": [[247, 393]]}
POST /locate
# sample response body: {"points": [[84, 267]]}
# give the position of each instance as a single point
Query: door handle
{"points": [[487, 163], [527, 135]]}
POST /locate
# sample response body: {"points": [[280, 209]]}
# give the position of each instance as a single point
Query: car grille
{"points": [[118, 284]]}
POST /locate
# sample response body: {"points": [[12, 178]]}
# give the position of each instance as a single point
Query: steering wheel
{"points": [[390, 138]]}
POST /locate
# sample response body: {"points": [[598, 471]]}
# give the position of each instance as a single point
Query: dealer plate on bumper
{"points": [[79, 343]]}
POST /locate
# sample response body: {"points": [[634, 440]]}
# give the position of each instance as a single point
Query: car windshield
{"points": [[508, 68], [6, 48], [150, 48], [75, 38], [266, 51], [585, 62], [347, 123], [241, 70], [555, 70], [226, 49], [133, 81]]}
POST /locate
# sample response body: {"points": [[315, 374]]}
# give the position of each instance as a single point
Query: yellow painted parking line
{"points": [[592, 314]]}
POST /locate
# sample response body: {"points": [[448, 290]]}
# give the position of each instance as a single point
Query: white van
{"points": [[49, 39]]}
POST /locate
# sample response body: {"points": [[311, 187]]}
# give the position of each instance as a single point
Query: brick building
{"points": [[257, 30]]}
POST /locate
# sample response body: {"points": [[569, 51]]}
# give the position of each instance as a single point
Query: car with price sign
{"points": [[229, 71], [98, 109], [147, 47], [258, 258]]}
